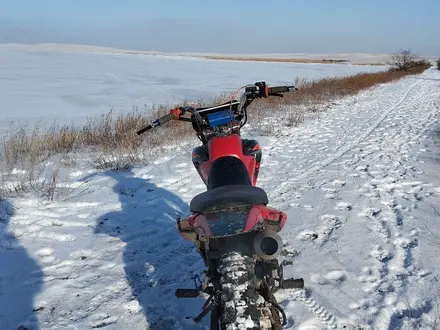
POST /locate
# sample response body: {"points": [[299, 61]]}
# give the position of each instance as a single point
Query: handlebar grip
{"points": [[297, 283], [281, 89], [166, 119], [143, 130], [187, 293], [157, 122]]}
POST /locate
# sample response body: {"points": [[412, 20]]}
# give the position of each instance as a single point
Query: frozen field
{"points": [[69, 87]]}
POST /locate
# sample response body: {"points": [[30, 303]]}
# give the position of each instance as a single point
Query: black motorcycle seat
{"points": [[228, 196]]}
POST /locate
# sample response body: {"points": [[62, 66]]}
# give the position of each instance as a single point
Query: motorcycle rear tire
{"points": [[238, 307]]}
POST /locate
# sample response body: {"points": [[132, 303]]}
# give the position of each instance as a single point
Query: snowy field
{"points": [[360, 185], [46, 86]]}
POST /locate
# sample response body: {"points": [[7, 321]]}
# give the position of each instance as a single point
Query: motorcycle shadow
{"points": [[156, 259], [21, 277]]}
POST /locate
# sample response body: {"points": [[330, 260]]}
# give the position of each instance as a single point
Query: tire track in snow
{"points": [[421, 119], [291, 183], [393, 261], [389, 303], [319, 310], [391, 300]]}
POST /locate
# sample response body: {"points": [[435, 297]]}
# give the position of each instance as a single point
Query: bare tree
{"points": [[438, 64], [402, 60]]}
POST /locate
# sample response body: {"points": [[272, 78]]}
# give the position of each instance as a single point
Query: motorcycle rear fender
{"points": [[228, 223], [261, 215]]}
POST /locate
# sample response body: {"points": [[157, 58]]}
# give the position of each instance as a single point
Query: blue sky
{"points": [[240, 26]]}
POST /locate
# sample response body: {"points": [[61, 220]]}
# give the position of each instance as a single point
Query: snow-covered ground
{"points": [[69, 87], [360, 185]]}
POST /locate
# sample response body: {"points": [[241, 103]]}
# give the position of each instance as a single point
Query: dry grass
{"points": [[328, 89], [106, 134], [290, 60], [30, 160], [275, 59], [112, 138], [36, 179], [372, 64]]}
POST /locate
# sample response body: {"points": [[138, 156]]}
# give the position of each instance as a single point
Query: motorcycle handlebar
{"points": [[162, 120], [259, 90], [281, 89]]}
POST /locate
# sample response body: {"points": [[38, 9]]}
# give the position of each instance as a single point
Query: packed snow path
{"points": [[361, 187]]}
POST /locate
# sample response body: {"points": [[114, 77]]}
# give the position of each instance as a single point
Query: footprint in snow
{"points": [[368, 276], [45, 252], [343, 206], [370, 212], [46, 255], [331, 196], [81, 254], [334, 277], [362, 168], [381, 254], [50, 235], [100, 320], [330, 190], [308, 236], [331, 221], [133, 307], [338, 183], [330, 224], [289, 251]]}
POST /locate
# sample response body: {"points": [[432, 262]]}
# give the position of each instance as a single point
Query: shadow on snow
{"points": [[20, 277], [156, 259]]}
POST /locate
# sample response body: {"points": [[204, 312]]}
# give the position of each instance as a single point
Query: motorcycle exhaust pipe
{"points": [[267, 245]]}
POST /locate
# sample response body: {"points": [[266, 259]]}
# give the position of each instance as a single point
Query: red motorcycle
{"points": [[230, 225]]}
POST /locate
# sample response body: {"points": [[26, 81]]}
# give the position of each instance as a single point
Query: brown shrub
{"points": [[404, 60]]}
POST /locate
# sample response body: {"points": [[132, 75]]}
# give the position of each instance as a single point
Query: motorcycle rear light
{"points": [[226, 223], [220, 118]]}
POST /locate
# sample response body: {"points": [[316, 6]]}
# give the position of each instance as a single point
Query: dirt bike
{"points": [[231, 226]]}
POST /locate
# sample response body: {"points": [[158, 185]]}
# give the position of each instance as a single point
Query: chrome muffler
{"points": [[268, 244]]}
